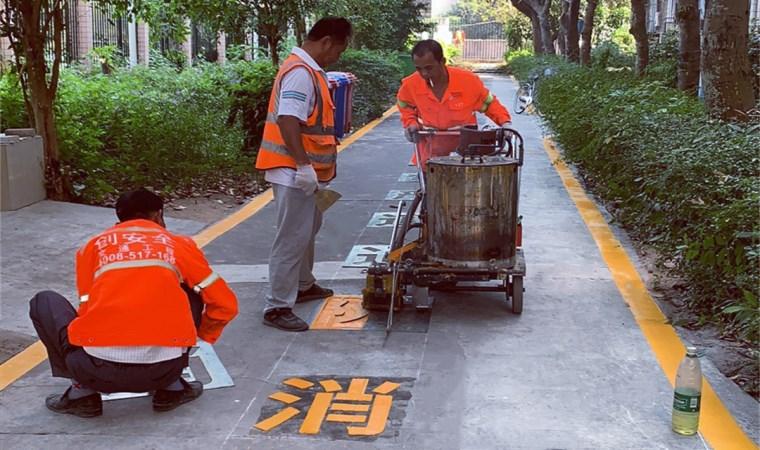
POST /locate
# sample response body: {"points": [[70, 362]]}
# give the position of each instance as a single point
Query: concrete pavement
{"points": [[574, 371]]}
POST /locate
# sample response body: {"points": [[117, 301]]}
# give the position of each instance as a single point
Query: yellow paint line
{"points": [[284, 397], [316, 414], [381, 407], [219, 228], [386, 388], [330, 385], [277, 419], [25, 361], [298, 383], [349, 407], [21, 363], [718, 427], [366, 129], [346, 418]]}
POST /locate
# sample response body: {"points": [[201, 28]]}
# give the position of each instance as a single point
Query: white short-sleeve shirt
{"points": [[297, 99]]}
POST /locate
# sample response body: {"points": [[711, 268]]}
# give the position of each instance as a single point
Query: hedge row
{"points": [[677, 180], [159, 127]]}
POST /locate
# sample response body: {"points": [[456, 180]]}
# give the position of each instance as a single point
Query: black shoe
{"points": [[284, 319], [313, 293], [88, 406], [164, 400]]}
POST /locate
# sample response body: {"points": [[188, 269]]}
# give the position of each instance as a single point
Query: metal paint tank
{"points": [[472, 210]]}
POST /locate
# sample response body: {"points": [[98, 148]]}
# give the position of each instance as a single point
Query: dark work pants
{"points": [[51, 314]]}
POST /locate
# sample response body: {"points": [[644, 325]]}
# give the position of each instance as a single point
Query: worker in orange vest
{"points": [[442, 97], [298, 152], [142, 292]]}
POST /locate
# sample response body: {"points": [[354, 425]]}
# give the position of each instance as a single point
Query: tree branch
{"points": [[57, 49]]}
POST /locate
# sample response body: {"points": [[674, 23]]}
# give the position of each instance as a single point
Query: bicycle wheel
{"points": [[519, 104]]}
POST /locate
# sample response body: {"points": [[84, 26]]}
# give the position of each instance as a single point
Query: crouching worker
{"points": [[142, 293]]}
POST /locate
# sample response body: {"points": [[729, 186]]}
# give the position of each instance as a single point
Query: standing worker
{"points": [[442, 97], [142, 292], [298, 153]]}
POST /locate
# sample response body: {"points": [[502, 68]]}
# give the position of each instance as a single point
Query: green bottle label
{"points": [[686, 403]]}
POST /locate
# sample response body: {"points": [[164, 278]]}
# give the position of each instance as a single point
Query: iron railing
{"points": [[69, 36], [109, 29]]}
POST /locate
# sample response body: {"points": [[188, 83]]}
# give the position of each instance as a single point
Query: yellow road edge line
{"points": [[26, 360], [21, 363], [716, 424]]}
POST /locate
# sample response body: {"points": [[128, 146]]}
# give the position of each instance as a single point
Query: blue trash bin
{"points": [[341, 87]]}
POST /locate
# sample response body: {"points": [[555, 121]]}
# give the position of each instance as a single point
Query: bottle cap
{"points": [[691, 351]]}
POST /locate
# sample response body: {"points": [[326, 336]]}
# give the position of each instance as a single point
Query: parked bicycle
{"points": [[525, 96]]}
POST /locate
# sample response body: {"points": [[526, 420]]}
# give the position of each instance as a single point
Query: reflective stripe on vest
{"points": [[317, 135], [305, 129], [314, 157], [208, 281], [141, 263]]}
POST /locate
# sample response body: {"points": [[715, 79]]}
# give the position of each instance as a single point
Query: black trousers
{"points": [[51, 314]]}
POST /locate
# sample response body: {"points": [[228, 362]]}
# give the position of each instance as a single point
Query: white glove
{"points": [[306, 179], [411, 134]]}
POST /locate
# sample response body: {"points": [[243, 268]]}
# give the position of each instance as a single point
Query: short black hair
{"points": [[428, 46], [338, 28], [138, 204]]}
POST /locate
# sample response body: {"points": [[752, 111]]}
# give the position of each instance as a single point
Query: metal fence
{"points": [[203, 44], [70, 51], [482, 41], [109, 29]]}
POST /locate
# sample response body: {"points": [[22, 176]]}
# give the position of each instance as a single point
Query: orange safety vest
{"points": [[317, 134], [129, 281]]}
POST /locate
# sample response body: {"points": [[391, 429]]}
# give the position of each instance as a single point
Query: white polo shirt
{"points": [[297, 98]]}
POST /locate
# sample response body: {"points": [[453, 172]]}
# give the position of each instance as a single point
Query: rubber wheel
{"points": [[517, 295]]}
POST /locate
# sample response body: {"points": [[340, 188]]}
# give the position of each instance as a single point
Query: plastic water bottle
{"points": [[687, 398]]}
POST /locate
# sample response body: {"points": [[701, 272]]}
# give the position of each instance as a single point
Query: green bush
{"points": [[12, 109], [147, 127], [175, 129], [379, 75], [663, 59], [251, 90], [609, 54], [522, 64], [677, 180]]}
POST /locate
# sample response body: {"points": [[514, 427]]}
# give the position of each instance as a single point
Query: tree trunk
{"points": [[544, 20], [538, 45], [726, 72], [573, 52], [688, 45], [273, 53], [588, 29], [300, 30], [639, 32], [42, 91], [563, 24]]}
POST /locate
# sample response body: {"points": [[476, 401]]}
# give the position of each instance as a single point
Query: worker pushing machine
{"points": [[142, 293], [441, 97]]}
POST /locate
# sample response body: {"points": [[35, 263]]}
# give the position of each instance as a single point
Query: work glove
{"points": [[306, 179], [411, 134]]}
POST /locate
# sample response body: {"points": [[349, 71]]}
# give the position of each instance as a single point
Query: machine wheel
{"points": [[517, 295]]}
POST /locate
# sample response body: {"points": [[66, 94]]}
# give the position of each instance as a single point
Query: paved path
{"points": [[572, 372]]}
